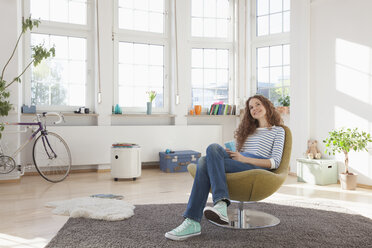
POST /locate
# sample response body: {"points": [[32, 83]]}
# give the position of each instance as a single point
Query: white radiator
{"points": [[91, 144]]}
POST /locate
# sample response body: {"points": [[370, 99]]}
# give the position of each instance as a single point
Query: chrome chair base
{"points": [[241, 218]]}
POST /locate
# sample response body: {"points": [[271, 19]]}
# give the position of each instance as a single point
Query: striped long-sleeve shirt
{"points": [[267, 143]]}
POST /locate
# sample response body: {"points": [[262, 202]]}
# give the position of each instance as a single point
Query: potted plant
{"points": [[39, 53], [151, 95], [343, 141], [284, 102]]}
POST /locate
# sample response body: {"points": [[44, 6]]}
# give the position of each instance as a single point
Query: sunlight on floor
{"points": [[13, 241], [330, 188]]}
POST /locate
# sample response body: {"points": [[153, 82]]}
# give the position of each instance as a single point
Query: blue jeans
{"points": [[210, 174]]}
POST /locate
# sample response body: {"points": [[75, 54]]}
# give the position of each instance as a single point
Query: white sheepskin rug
{"points": [[93, 208]]}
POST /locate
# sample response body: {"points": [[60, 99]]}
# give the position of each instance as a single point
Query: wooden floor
{"points": [[25, 222]]}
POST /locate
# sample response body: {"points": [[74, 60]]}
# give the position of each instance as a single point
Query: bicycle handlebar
{"points": [[60, 116]]}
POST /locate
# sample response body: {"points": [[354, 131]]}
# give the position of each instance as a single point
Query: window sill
{"points": [[144, 115], [212, 116], [66, 114]]}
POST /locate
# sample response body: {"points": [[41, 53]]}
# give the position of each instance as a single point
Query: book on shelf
{"points": [[211, 109], [225, 109], [216, 109], [219, 109], [222, 109]]}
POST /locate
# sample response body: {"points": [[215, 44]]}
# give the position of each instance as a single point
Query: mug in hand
{"points": [[230, 145]]}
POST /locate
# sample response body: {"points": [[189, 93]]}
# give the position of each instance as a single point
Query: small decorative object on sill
{"points": [[117, 110], [149, 108], [191, 110], [198, 109], [152, 95], [81, 110], [28, 110], [285, 103], [283, 110]]}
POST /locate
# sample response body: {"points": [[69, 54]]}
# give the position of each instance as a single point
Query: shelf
{"points": [[65, 114], [144, 115]]}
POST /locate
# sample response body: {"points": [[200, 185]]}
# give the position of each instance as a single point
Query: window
{"points": [[210, 18], [271, 48], [210, 76], [273, 16], [62, 82], [141, 54], [62, 79], [67, 11], [141, 68], [211, 52], [273, 71], [142, 15]]}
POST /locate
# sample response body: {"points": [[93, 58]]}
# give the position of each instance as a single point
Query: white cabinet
{"points": [[317, 171], [126, 163]]}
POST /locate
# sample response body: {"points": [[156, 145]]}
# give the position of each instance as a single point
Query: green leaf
{"points": [[344, 140], [39, 53]]}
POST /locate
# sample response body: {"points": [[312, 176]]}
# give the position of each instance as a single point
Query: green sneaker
{"points": [[218, 213], [187, 229]]}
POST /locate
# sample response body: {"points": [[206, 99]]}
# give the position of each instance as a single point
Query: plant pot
{"points": [[149, 108], [283, 110], [348, 181]]}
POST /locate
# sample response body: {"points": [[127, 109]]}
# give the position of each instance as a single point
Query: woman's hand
{"points": [[236, 156]]}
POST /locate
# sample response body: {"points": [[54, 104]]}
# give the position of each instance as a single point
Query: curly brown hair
{"points": [[249, 125]]}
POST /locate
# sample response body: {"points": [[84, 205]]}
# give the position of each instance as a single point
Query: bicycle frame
{"points": [[40, 129], [45, 148]]}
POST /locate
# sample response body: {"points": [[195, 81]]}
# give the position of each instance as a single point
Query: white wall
{"points": [[300, 78], [10, 28], [341, 73], [91, 145]]}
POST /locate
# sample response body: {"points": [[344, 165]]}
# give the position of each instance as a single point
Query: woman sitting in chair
{"points": [[260, 141]]}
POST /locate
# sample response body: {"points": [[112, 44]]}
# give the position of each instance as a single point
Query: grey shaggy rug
{"points": [[299, 227]]}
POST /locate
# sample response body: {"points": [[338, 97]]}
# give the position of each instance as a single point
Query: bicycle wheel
{"points": [[7, 164], [52, 157]]}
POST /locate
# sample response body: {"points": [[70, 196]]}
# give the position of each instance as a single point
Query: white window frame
{"points": [[144, 37], [262, 41], [63, 29], [216, 43]]}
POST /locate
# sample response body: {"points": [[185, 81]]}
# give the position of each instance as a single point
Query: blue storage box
{"points": [[28, 109], [178, 161]]}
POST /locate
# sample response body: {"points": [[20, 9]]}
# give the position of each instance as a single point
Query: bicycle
{"points": [[50, 153]]}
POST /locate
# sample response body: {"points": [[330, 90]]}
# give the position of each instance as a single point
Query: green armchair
{"points": [[255, 185]]}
